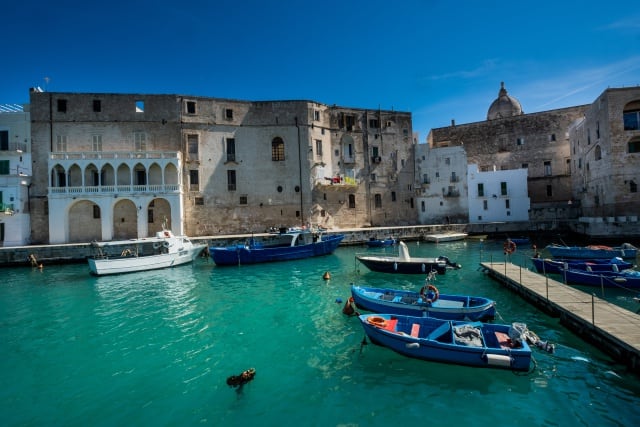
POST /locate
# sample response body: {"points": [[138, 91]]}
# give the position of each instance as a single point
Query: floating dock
{"points": [[613, 329]]}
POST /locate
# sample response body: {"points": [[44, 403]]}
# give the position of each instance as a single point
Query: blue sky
{"points": [[439, 60]]}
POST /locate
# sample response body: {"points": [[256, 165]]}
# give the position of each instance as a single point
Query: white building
{"points": [[441, 185], [497, 196], [15, 174]]}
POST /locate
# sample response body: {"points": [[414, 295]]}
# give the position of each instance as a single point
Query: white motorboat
{"points": [[165, 250]]}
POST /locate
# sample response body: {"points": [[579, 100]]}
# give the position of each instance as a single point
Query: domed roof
{"points": [[504, 106]]}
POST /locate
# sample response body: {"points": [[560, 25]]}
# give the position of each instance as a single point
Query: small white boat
{"points": [[165, 250], [445, 237]]}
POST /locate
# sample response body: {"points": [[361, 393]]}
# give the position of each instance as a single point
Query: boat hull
{"points": [[401, 266], [447, 307], [550, 266], [584, 252], [245, 254], [625, 279], [130, 264], [438, 340], [445, 237]]}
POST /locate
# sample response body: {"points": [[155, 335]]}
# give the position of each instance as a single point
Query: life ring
{"points": [[509, 247], [427, 290], [378, 321]]}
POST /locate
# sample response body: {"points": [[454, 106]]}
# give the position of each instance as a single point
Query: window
{"points": [[192, 147], [244, 199], [480, 189], [503, 188], [97, 106], [96, 211], [378, 201], [634, 146], [422, 206], [231, 149], [520, 141], [61, 143], [552, 137], [62, 105], [139, 141], [374, 123], [393, 196], [277, 149], [194, 180], [597, 130], [199, 201], [4, 167], [231, 180], [352, 201], [485, 205], [190, 107], [96, 142], [549, 191], [4, 140], [139, 106], [633, 187], [316, 115], [454, 177], [568, 166], [373, 177], [598, 153], [631, 120], [525, 166], [228, 114], [318, 148], [547, 168], [150, 215]]}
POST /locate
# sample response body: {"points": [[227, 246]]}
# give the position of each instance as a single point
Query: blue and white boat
{"points": [[483, 345], [629, 279], [411, 303], [378, 243], [285, 246], [625, 251], [403, 263], [553, 266]]}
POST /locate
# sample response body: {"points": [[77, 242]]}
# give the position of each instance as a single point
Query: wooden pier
{"points": [[613, 329]]}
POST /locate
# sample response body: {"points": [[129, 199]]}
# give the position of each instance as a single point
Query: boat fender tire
{"points": [[378, 321], [166, 244], [157, 245], [429, 293]]}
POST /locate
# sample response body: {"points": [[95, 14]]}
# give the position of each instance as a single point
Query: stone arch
{"points": [[84, 221], [155, 174], [123, 175], [58, 176], [91, 177], [158, 211], [140, 174], [125, 220], [598, 152], [108, 175], [74, 175], [171, 175]]}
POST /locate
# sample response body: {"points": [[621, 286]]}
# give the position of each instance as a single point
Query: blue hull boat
{"points": [[379, 243], [552, 266], [410, 303], [482, 345], [625, 251], [629, 279], [285, 246]]}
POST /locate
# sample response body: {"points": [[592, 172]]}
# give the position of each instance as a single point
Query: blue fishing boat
{"points": [[476, 344], [427, 302], [626, 278], [625, 251], [403, 263], [553, 266], [378, 243], [284, 246]]}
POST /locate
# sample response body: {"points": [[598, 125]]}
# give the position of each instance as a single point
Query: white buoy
{"points": [[498, 360], [412, 345]]}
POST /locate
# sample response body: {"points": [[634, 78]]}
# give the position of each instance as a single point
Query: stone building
{"points": [[605, 151], [117, 166], [511, 139]]}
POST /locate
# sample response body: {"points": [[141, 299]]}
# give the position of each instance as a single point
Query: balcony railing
{"points": [[93, 155], [116, 189]]}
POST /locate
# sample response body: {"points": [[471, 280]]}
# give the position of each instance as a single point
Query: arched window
{"points": [[277, 149], [631, 116], [598, 152]]}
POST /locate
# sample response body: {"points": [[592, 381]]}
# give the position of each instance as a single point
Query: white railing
{"points": [[117, 189]]}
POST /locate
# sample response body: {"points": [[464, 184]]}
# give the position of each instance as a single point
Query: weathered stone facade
{"points": [[119, 165], [538, 142]]}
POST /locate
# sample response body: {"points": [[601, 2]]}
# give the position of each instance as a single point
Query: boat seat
{"points": [[442, 333]]}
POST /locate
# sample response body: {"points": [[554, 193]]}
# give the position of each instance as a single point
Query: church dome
{"points": [[504, 106]]}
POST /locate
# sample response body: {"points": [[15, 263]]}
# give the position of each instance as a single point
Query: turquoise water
{"points": [[156, 348]]}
